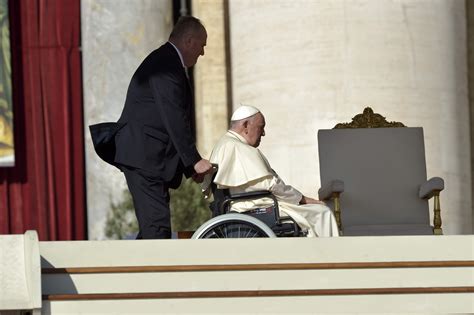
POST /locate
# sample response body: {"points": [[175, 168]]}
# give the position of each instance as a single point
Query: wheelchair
{"points": [[259, 222]]}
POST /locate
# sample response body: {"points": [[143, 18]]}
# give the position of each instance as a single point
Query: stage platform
{"points": [[402, 274]]}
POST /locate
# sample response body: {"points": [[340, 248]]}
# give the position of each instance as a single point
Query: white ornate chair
{"points": [[373, 175]]}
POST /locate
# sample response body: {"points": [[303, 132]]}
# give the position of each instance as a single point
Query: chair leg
{"points": [[337, 209], [437, 215]]}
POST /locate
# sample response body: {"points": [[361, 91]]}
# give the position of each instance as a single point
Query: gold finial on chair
{"points": [[369, 119]]}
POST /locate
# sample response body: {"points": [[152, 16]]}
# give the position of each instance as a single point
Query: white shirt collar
{"points": [[179, 53]]}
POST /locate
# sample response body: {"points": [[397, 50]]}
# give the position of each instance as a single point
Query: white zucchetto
{"points": [[244, 111]]}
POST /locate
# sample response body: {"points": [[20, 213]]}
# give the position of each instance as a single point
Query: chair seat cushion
{"points": [[398, 229]]}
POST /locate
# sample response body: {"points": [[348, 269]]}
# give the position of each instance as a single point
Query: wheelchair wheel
{"points": [[233, 225]]}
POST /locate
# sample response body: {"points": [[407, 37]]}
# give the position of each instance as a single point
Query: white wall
{"points": [[311, 64]]}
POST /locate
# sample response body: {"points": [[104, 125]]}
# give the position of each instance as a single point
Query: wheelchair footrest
{"points": [[286, 230]]}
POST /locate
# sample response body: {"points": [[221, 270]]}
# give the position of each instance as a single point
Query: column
{"points": [[210, 76]]}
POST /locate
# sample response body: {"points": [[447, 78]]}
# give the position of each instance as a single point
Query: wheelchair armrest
{"points": [[250, 196], [326, 191], [429, 188]]}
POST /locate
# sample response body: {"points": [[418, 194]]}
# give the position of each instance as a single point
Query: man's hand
{"points": [[307, 200], [202, 167], [198, 178]]}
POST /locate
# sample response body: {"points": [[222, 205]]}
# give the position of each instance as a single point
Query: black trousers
{"points": [[151, 201]]}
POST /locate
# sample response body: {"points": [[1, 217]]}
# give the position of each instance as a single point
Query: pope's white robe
{"points": [[243, 168]]}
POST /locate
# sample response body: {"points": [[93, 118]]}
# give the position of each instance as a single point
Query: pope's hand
{"points": [[202, 167], [308, 200]]}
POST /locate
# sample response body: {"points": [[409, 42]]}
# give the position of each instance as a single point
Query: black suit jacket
{"points": [[154, 131]]}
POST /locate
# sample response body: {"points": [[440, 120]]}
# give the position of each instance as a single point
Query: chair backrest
{"points": [[382, 170]]}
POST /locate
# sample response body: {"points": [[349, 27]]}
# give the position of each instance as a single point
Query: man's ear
{"points": [[188, 40]]}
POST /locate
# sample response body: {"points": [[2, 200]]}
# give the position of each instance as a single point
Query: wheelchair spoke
{"points": [[220, 232], [248, 233], [255, 234]]}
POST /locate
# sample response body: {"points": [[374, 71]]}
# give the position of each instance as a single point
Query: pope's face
{"points": [[255, 130]]}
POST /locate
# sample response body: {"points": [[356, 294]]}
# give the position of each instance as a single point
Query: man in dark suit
{"points": [[152, 142]]}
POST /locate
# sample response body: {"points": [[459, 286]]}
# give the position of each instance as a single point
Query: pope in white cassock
{"points": [[243, 168]]}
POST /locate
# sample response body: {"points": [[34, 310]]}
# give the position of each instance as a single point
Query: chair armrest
{"points": [[430, 187], [326, 191]]}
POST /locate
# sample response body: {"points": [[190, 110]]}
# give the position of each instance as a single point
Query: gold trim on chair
{"points": [[337, 210], [437, 230], [369, 119]]}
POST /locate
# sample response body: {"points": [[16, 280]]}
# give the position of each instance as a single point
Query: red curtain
{"points": [[45, 191]]}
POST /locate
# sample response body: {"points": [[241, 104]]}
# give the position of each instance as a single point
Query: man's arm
{"points": [[169, 89]]}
